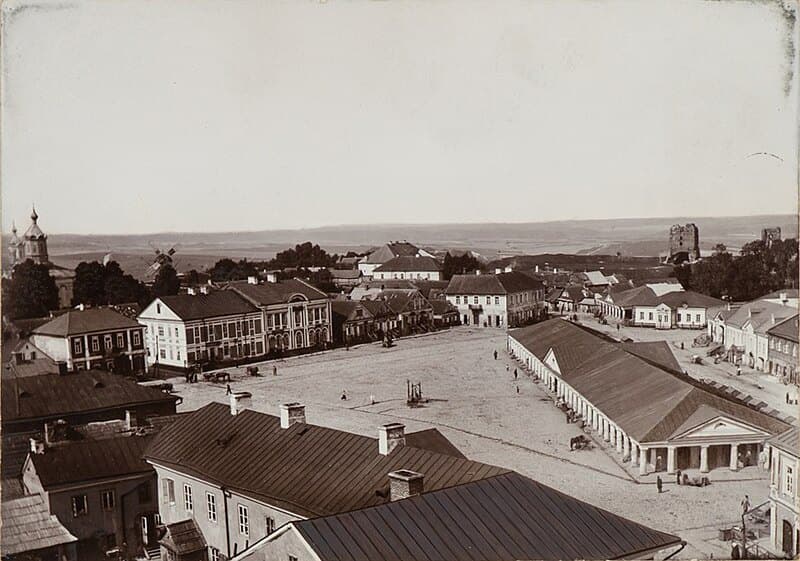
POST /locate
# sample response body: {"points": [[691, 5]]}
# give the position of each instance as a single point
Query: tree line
{"points": [[759, 269]]}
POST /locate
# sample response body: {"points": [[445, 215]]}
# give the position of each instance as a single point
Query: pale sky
{"points": [[194, 115]]}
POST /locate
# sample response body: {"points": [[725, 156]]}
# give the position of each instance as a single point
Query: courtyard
{"points": [[475, 401]]}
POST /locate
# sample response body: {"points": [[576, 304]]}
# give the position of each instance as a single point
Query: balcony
{"points": [[476, 307]]}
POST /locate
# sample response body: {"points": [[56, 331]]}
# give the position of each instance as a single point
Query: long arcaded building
{"points": [[635, 397]]}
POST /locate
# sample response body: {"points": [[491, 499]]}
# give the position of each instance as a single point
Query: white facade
{"points": [[481, 310], [171, 341], [784, 510], [407, 275]]}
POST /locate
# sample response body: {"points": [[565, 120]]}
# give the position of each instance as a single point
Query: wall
{"points": [[782, 358], [495, 307], [782, 499], [426, 275], [279, 549], [214, 532], [55, 347]]}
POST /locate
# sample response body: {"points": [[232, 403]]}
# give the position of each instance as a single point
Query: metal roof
{"points": [[51, 395], [280, 292], [214, 304], [654, 351], [29, 526], [787, 329], [788, 441], [407, 263], [503, 283], [183, 537], [648, 400], [506, 517], [306, 469], [92, 460], [89, 320]]}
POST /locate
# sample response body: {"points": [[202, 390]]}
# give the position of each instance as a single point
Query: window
{"points": [[163, 353], [120, 341], [179, 355], [488, 300], [95, 344], [107, 499], [679, 317], [137, 340], [187, 497], [641, 315], [270, 525], [650, 315], [788, 481], [244, 521], [109, 343], [160, 330], [211, 507], [475, 299], [158, 308], [214, 554], [176, 332], [168, 491], [697, 318], [76, 345], [80, 506], [497, 300], [458, 299]]}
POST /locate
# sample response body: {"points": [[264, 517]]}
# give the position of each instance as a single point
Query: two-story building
{"points": [[190, 329], [102, 491], [660, 305], [296, 315], [782, 352], [386, 252], [502, 300], [93, 338], [409, 267], [411, 309], [784, 509], [353, 322]]}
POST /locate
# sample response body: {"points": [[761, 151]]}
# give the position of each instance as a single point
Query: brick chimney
{"points": [[292, 413], [37, 446], [405, 483], [240, 401], [390, 436], [252, 280], [203, 290], [191, 291]]}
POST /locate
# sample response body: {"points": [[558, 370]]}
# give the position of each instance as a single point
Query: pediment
{"points": [[550, 360], [719, 426]]}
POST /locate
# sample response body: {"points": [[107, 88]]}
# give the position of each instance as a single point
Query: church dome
{"points": [[34, 232]]}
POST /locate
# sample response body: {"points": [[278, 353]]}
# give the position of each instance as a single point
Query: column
{"points": [[634, 453], [643, 461], [704, 459], [618, 434], [734, 465], [671, 459], [626, 446], [606, 430]]}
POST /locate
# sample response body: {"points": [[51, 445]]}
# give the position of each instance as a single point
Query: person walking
{"points": [[787, 397], [678, 477], [274, 370], [228, 389], [517, 389], [495, 354], [745, 504], [659, 484], [738, 370], [515, 373], [344, 395]]}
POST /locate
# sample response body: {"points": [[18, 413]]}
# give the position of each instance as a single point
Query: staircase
{"points": [[152, 552]]}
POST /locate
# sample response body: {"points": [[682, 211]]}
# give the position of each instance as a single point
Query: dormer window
{"points": [[158, 308]]}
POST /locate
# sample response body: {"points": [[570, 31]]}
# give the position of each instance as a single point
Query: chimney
{"points": [[749, 312], [191, 291], [498, 270], [405, 483], [292, 413], [62, 368], [130, 419], [772, 318], [37, 446], [390, 436], [784, 298], [81, 307], [252, 280], [240, 401], [477, 271], [536, 269], [203, 290]]}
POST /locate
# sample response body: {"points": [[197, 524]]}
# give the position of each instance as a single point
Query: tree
{"points": [[31, 291], [228, 270], [166, 282], [99, 285], [459, 265]]}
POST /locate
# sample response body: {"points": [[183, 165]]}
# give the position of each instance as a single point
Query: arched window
{"points": [[298, 339], [312, 338]]}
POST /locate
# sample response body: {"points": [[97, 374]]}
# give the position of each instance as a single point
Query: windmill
{"points": [[161, 258]]}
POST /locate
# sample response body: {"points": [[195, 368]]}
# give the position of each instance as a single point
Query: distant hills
{"points": [[629, 237]]}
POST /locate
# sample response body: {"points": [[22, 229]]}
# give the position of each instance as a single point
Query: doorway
{"points": [[786, 538]]}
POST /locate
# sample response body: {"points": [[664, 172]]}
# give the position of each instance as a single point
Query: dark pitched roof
{"points": [[214, 304], [407, 263], [183, 537], [306, 469], [788, 441], [377, 308], [29, 526], [434, 441], [391, 250], [347, 308], [399, 299], [266, 293], [344, 273], [74, 322], [442, 307], [654, 351], [503, 283], [92, 460], [648, 401], [502, 518], [52, 395], [787, 329]]}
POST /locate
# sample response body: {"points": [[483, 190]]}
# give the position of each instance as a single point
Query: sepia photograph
{"points": [[399, 280]]}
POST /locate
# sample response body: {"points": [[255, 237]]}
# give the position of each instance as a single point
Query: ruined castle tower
{"points": [[684, 243], [769, 235]]}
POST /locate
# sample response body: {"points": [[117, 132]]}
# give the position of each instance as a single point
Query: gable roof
{"points": [[501, 518], [596, 278], [788, 441], [647, 296], [408, 263], [378, 308], [29, 526], [91, 460], [787, 329], [183, 537], [52, 395], [281, 292], [645, 398], [391, 250], [347, 308], [345, 273], [398, 300], [759, 313], [306, 469], [502, 283], [654, 351], [89, 320], [216, 303]]}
